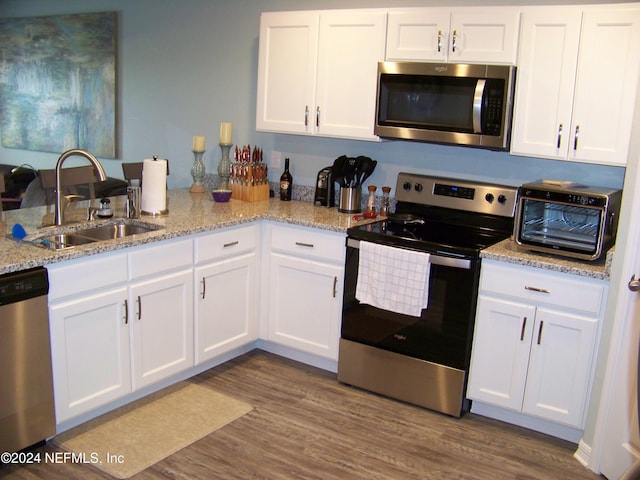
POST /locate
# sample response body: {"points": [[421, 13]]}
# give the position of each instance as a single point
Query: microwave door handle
{"points": [[477, 105]]}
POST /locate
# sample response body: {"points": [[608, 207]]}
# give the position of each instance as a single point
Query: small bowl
{"points": [[221, 195]]}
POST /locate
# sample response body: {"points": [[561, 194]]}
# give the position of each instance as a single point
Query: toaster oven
{"points": [[566, 218]]}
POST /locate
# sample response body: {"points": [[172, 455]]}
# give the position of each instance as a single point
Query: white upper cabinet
{"points": [[464, 35], [317, 72], [576, 83]]}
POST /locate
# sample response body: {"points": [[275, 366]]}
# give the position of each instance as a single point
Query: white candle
{"points": [[198, 143], [226, 133]]}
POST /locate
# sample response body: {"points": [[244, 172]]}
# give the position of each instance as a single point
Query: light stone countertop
{"points": [[188, 214], [197, 213], [508, 251]]}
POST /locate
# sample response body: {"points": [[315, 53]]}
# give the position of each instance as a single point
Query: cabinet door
{"points": [[500, 354], [161, 314], [487, 35], [305, 305], [225, 306], [545, 80], [560, 367], [351, 45], [90, 352], [418, 34], [606, 86], [287, 58]]}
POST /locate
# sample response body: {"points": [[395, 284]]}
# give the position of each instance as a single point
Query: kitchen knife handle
{"points": [[306, 115], [559, 136]]}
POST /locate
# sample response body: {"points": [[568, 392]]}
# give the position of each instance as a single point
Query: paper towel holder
{"points": [[164, 211]]}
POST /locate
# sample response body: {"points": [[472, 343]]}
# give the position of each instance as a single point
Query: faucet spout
{"points": [[59, 213]]}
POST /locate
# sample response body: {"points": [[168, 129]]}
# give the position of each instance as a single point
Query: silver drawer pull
{"points": [[230, 244], [303, 244], [536, 289]]}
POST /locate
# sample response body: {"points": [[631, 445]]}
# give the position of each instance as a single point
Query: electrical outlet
{"points": [[276, 160]]}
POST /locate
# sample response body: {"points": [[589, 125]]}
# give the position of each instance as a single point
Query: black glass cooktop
{"points": [[432, 236]]}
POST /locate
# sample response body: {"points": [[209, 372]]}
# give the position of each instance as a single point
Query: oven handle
{"points": [[433, 259]]}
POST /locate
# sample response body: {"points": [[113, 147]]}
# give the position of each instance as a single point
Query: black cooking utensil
{"points": [[338, 170]]}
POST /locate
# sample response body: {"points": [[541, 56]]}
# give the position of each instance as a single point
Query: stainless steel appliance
{"points": [[446, 103], [424, 359], [566, 218], [325, 194], [26, 386]]}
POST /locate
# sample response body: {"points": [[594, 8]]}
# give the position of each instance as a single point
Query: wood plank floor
{"points": [[305, 425]]}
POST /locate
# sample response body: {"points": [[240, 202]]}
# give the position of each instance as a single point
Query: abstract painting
{"points": [[58, 83]]}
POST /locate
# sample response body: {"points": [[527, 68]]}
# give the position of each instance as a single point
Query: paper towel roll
{"points": [[154, 186]]}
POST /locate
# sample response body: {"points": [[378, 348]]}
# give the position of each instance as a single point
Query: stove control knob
{"points": [[418, 187], [502, 199], [406, 186], [489, 197]]}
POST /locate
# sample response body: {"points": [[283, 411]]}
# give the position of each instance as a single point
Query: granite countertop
{"points": [[188, 214], [197, 213], [508, 251]]}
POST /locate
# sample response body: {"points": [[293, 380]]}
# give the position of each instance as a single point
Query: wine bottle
{"points": [[286, 182]]}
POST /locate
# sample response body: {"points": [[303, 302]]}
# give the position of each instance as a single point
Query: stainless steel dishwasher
{"points": [[27, 414]]}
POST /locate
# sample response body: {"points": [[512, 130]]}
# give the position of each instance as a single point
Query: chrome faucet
{"points": [[59, 213]]}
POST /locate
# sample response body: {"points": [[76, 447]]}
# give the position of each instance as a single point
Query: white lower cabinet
{"points": [[306, 273], [534, 342], [119, 322], [227, 291]]}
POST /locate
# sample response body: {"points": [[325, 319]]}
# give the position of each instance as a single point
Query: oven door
{"points": [[443, 332], [571, 230]]}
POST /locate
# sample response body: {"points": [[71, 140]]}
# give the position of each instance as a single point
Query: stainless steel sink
{"points": [[118, 230], [94, 233]]}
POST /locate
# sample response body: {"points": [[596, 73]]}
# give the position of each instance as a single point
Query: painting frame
{"points": [[58, 83]]}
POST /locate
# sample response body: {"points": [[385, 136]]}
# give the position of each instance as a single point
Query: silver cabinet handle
{"points": [[524, 325], [139, 308], [204, 287], [540, 333], [126, 312], [317, 116], [559, 136], [306, 115], [536, 289], [453, 41], [575, 138], [439, 41], [634, 284], [230, 244], [303, 244], [335, 285]]}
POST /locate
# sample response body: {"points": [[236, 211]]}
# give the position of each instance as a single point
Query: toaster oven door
{"points": [[571, 230]]}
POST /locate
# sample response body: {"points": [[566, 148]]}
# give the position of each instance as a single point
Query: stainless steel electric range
{"points": [[420, 356]]}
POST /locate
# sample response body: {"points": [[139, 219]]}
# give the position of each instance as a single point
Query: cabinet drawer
{"points": [[161, 257], [308, 242], [543, 286], [83, 275], [225, 243]]}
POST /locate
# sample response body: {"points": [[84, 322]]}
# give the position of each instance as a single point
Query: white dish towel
{"points": [[393, 279]]}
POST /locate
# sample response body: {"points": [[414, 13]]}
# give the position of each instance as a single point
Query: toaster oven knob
{"points": [[418, 187], [489, 197], [502, 198], [406, 186]]}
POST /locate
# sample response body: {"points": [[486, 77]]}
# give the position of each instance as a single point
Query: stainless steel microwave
{"points": [[446, 103], [568, 219]]}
